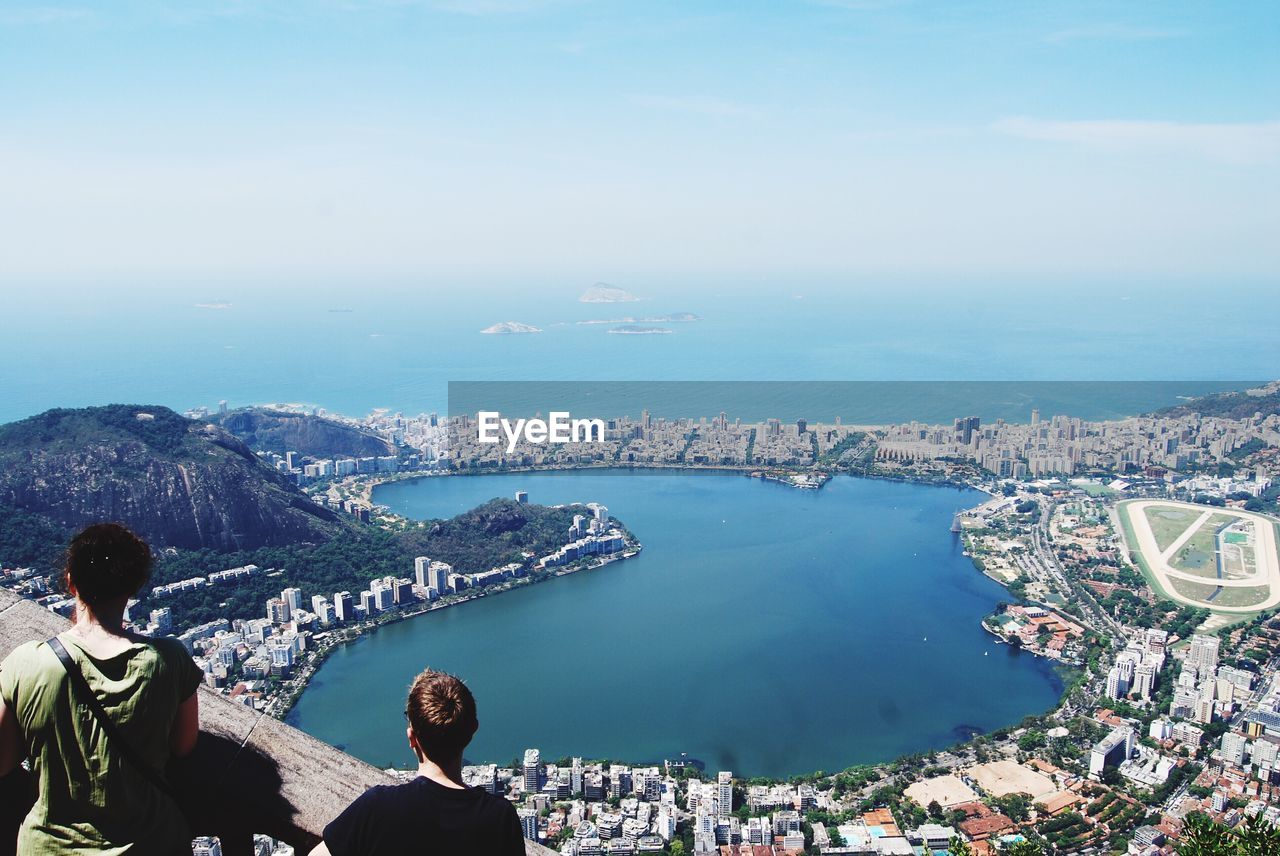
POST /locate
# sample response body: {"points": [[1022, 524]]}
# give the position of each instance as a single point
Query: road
{"points": [[1045, 559]]}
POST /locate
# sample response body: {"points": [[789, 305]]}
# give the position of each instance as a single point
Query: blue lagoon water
{"points": [[764, 629]]}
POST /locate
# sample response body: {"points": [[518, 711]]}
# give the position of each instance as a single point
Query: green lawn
{"points": [[1168, 523], [1251, 596], [1198, 554], [1200, 592]]}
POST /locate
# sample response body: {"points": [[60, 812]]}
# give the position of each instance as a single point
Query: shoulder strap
{"points": [[80, 687]]}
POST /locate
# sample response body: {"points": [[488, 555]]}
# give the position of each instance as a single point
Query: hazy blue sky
{"points": [[611, 140]]}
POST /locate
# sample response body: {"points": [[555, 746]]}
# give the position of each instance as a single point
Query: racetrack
{"points": [[1267, 560]]}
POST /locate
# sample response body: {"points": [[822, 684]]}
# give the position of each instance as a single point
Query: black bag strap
{"points": [[80, 687]]}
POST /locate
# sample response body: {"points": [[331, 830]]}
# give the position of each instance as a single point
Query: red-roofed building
{"points": [[982, 828]]}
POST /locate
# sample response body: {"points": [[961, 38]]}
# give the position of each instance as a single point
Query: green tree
{"points": [[1202, 837], [1015, 806]]}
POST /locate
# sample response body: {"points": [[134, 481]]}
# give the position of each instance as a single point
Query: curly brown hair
{"points": [[106, 562]]}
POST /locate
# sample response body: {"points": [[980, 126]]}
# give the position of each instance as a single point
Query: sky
{"points": [[264, 141]]}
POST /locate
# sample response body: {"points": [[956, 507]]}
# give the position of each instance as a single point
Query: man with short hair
{"points": [[436, 812]]}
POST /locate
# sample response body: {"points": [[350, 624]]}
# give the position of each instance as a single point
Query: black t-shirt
{"points": [[423, 817]]}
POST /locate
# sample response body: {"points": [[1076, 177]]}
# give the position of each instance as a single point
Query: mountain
{"points": [[279, 431], [175, 481]]}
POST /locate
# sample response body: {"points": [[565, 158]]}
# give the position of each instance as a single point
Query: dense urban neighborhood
{"points": [[1138, 555]]}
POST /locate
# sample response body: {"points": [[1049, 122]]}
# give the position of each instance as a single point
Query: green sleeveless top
{"points": [[92, 799]]}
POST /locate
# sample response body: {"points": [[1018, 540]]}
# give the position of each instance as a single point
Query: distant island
{"points": [[510, 327], [213, 306], [637, 330], [602, 292], [674, 317]]}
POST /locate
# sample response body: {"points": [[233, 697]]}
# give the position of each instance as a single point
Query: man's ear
{"points": [[413, 742]]}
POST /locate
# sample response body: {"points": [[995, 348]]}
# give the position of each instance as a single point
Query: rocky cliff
{"points": [[175, 481], [279, 431]]}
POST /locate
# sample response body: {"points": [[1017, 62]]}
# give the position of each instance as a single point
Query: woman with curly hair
{"points": [[99, 711]]}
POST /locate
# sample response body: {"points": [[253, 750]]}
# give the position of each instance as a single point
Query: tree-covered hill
{"points": [[486, 537], [1231, 405]]}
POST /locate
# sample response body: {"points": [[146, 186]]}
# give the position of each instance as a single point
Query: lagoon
{"points": [[764, 630]]}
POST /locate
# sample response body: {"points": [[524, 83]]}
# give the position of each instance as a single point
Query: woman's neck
{"points": [[102, 620]]}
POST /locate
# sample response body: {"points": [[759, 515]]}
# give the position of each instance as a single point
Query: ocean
{"points": [[352, 347]]}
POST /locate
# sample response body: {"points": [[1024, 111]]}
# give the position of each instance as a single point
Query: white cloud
{"points": [[1231, 142], [698, 105]]}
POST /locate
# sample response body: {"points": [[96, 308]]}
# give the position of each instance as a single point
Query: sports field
{"points": [[1223, 559]]}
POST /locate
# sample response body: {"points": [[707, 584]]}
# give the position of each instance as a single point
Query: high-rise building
{"points": [[1114, 749], [724, 793], [163, 620], [1118, 680], [367, 603], [1144, 680], [278, 611], [438, 577], [421, 567], [1120, 676], [1204, 704], [1233, 748], [532, 765], [965, 428], [1157, 640], [293, 597], [1184, 702], [1203, 655], [575, 777], [344, 606], [1265, 752], [528, 823]]}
